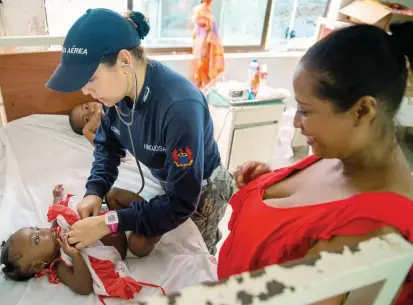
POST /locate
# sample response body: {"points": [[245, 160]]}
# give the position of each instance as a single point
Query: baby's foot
{"points": [[58, 193]]}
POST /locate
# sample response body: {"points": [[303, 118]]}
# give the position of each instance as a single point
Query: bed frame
{"points": [[372, 271], [22, 83]]}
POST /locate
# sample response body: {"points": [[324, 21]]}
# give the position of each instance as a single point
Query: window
{"points": [[61, 14], [171, 22], [294, 23], [241, 24], [172, 26]]}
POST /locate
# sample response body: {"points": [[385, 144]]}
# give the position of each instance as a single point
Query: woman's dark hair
{"points": [[77, 129], [10, 268], [141, 23], [362, 60]]}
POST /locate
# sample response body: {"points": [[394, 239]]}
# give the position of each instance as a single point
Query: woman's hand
{"points": [[68, 249], [89, 206], [87, 231], [249, 171]]}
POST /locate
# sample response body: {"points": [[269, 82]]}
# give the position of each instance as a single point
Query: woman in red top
{"points": [[348, 87]]}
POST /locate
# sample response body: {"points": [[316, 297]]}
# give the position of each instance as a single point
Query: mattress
{"points": [[40, 151]]}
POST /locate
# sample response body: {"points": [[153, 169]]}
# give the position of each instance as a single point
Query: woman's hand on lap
{"points": [[249, 171], [89, 206]]}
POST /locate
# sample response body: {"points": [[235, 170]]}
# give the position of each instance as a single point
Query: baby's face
{"points": [[33, 248], [82, 113]]}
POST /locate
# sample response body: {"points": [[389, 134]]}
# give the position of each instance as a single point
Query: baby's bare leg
{"points": [[117, 199], [119, 242]]}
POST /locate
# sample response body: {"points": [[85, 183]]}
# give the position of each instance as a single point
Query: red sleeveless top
{"points": [[269, 235]]}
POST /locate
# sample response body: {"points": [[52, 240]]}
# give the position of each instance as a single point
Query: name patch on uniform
{"points": [[115, 130], [181, 157], [154, 148]]}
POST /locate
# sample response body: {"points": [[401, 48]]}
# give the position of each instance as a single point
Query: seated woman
{"points": [[357, 185]]}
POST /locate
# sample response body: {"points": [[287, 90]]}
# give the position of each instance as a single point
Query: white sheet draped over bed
{"points": [[40, 151]]}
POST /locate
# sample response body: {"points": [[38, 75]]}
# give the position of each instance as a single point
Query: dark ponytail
{"points": [[141, 23], [362, 60], [402, 39]]}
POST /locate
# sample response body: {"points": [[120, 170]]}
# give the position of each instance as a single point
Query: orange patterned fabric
{"points": [[207, 47]]}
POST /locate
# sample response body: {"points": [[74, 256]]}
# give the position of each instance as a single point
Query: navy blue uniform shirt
{"points": [[173, 136]]}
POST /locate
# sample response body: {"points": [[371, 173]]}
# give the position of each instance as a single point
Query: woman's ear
{"points": [[124, 58], [37, 266], [364, 111]]}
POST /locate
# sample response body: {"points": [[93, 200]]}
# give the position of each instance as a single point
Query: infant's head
{"points": [[27, 252], [79, 116]]}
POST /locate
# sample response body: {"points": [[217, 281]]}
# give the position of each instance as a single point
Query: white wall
{"points": [[281, 67], [22, 18]]}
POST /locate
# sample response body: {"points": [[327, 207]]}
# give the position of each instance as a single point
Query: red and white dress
{"points": [[109, 273]]}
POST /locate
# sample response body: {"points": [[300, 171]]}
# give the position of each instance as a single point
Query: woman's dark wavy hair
{"points": [[363, 60]]}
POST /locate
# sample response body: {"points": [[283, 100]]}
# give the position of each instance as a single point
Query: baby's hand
{"points": [[58, 193], [68, 249], [93, 124]]}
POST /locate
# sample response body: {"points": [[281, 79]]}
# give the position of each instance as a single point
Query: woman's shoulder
{"points": [[398, 180]]}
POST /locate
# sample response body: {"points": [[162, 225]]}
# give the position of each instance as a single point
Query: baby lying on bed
{"points": [[34, 252], [85, 120]]}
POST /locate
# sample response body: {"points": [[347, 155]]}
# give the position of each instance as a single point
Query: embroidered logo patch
{"points": [[115, 130], [182, 158]]}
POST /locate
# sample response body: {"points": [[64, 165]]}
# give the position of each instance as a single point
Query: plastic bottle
{"points": [[253, 78]]}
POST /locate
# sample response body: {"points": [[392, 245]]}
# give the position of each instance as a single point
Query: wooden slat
{"points": [[22, 81]]}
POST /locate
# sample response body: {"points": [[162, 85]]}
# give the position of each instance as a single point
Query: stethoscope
{"points": [[131, 113]]}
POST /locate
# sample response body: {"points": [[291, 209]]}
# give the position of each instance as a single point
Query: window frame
{"points": [[264, 46]]}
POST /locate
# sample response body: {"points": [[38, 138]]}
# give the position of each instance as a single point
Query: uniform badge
{"points": [[182, 158]]}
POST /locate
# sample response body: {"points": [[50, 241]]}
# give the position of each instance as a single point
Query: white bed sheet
{"points": [[40, 151]]}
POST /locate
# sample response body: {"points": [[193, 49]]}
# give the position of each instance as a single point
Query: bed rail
{"points": [[372, 271]]}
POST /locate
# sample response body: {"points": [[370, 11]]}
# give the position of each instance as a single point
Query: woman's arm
{"points": [[77, 276], [107, 154], [339, 242]]}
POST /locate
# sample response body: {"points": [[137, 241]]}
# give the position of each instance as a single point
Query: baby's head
{"points": [[79, 116], [27, 252]]}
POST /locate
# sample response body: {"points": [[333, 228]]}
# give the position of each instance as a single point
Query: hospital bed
{"points": [[38, 150]]}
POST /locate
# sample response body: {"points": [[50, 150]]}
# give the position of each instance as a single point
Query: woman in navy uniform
{"points": [[154, 113]]}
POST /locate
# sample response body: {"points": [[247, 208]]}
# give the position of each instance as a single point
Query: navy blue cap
{"points": [[96, 33]]}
